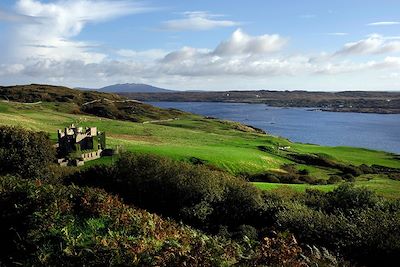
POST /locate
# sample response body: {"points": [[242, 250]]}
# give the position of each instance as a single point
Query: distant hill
{"points": [[346, 101], [133, 88]]}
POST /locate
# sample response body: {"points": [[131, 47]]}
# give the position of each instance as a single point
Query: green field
{"points": [[221, 144]]}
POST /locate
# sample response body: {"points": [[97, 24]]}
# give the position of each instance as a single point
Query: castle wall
{"points": [[91, 155]]}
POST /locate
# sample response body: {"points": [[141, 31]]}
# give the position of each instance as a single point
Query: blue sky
{"points": [[214, 45]]}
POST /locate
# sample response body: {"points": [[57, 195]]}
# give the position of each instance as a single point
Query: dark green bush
{"points": [[344, 220], [195, 194], [304, 172], [370, 237], [334, 179], [349, 177], [58, 225], [348, 198], [351, 169], [25, 153], [55, 225]]}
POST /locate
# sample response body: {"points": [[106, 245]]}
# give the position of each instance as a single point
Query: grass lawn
{"points": [[381, 185], [296, 187]]}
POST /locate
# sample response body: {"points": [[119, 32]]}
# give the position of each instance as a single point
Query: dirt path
{"points": [[112, 101], [34, 103], [174, 119]]}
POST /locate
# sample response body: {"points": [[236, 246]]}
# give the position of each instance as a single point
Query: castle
{"points": [[77, 145]]}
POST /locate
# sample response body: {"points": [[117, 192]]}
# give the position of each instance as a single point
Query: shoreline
{"points": [[282, 127], [309, 108]]}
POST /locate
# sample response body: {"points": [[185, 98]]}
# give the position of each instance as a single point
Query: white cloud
{"points": [[384, 23], [151, 54], [10, 16], [242, 43], [197, 21], [58, 22], [11, 69], [374, 44], [184, 54]]}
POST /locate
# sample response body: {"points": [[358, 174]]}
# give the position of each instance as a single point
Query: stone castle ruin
{"points": [[77, 145]]}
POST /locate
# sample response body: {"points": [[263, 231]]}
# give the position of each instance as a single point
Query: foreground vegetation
{"points": [[52, 225], [101, 215]]}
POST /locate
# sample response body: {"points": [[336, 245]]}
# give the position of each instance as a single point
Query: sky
{"points": [[202, 45]]}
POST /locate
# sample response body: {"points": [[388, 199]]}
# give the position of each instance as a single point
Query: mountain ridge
{"points": [[133, 88]]}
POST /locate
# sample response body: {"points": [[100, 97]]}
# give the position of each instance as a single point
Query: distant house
{"points": [[77, 145], [284, 148]]}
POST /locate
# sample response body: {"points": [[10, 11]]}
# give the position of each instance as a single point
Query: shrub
{"points": [[350, 169], [193, 193], [394, 176], [304, 172], [24, 152], [344, 220], [266, 177], [51, 225], [346, 197], [349, 178], [370, 236], [334, 179], [245, 231]]}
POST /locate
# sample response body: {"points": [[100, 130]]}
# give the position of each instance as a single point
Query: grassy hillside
{"points": [[86, 102], [232, 147]]}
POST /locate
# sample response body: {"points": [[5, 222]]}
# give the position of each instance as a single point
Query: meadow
{"points": [[223, 145]]}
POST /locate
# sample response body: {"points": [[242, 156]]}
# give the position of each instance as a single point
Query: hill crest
{"points": [[133, 88]]}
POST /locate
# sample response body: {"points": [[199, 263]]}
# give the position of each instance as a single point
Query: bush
{"points": [[304, 172], [344, 220], [394, 176], [25, 153], [351, 170], [52, 225], [349, 178], [359, 236], [334, 179], [193, 193], [348, 198], [267, 177]]}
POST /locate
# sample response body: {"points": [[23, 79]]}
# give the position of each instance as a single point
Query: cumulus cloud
{"points": [[184, 54], [58, 22], [239, 45], [374, 44], [241, 55], [384, 23], [242, 43], [197, 21]]}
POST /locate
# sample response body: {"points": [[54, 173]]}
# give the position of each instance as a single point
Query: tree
{"points": [[25, 153]]}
